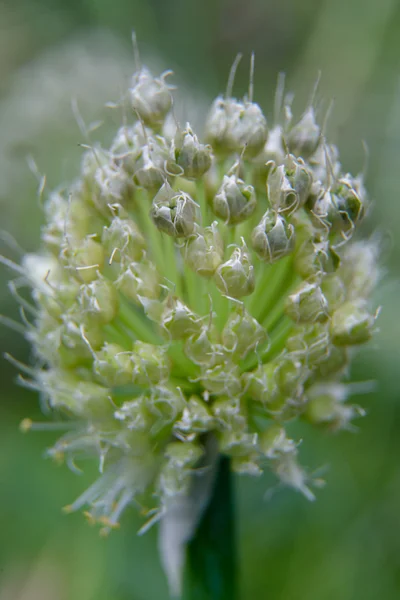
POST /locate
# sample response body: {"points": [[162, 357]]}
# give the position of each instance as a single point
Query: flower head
{"points": [[187, 290]]}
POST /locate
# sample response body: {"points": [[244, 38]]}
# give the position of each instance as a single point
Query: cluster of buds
{"points": [[189, 290]]}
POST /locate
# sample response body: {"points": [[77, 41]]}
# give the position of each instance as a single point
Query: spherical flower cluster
{"points": [[191, 289]]}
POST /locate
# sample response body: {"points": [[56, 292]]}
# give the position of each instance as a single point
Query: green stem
{"points": [[211, 570]]}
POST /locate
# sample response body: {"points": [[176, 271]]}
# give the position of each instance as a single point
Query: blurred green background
{"points": [[344, 546]]}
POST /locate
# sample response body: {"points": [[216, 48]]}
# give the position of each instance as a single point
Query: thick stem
{"points": [[211, 572]]}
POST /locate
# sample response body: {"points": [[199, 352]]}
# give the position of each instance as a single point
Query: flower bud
{"points": [[260, 384], [311, 343], [127, 146], [359, 270], [336, 361], [135, 415], [99, 299], [123, 240], [235, 201], [149, 364], [149, 166], [179, 320], [200, 349], [113, 365], [174, 213], [232, 126], [196, 417], [204, 250], [351, 324], [86, 260], [326, 406], [273, 238], [315, 256], [222, 379], [304, 137], [181, 458], [139, 280], [242, 334], [307, 304], [187, 152], [288, 186], [150, 97], [235, 277]]}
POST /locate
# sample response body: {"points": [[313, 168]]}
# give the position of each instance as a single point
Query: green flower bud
{"points": [[359, 269], [311, 343], [203, 251], [281, 194], [222, 379], [139, 280], [122, 240], [235, 277], [114, 184], [191, 156], [304, 137], [261, 385], [232, 126], [75, 395], [315, 256], [200, 349], [196, 418], [99, 299], [174, 213], [336, 361], [113, 365], [325, 406], [299, 177], [150, 97], [135, 415], [150, 164], [127, 146], [307, 304], [85, 260], [150, 364], [273, 238], [352, 323], [334, 291], [242, 334], [235, 201], [179, 321]]}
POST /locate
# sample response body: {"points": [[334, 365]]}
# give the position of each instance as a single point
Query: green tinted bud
{"points": [[335, 362], [150, 97], [352, 323], [204, 250], [196, 417], [74, 395], [326, 406], [113, 365], [311, 343], [307, 304], [122, 240], [99, 299], [149, 364], [200, 349], [359, 269], [86, 260], [290, 374], [127, 146], [242, 334], [174, 213], [334, 291], [235, 277], [222, 379], [179, 320], [149, 166], [315, 256], [114, 184], [304, 137], [281, 194], [299, 177], [274, 441], [349, 200], [232, 126], [261, 385], [273, 238], [135, 415], [187, 152], [139, 280], [235, 201]]}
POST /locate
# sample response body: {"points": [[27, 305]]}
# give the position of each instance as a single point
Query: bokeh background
{"points": [[344, 546]]}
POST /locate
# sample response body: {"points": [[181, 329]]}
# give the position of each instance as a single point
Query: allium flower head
{"points": [[189, 290]]}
